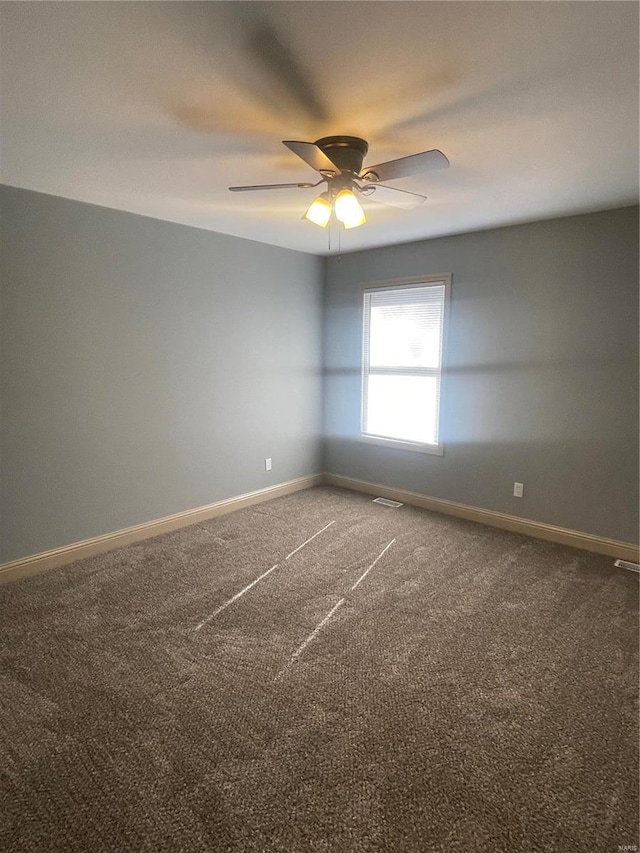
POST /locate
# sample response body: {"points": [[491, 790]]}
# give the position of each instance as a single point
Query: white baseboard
{"points": [[537, 529], [99, 544]]}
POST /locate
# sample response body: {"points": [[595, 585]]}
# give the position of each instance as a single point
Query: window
{"points": [[403, 342]]}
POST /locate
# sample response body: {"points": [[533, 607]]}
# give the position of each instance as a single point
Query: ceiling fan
{"points": [[338, 159]]}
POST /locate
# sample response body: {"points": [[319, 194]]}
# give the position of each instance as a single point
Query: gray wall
{"points": [[542, 383], [146, 368]]}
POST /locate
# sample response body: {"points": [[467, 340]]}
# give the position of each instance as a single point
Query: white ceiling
{"points": [[158, 107]]}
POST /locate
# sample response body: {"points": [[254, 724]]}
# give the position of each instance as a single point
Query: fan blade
{"points": [[314, 156], [391, 196], [405, 166], [271, 187]]}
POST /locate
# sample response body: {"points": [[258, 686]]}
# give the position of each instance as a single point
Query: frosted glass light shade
{"points": [[348, 209], [319, 211]]}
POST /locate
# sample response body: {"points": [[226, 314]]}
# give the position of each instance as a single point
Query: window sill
{"points": [[415, 447]]}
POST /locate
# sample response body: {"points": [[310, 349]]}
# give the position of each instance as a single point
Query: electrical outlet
{"points": [[267, 464], [518, 490]]}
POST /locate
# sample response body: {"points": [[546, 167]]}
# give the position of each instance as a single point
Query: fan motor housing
{"points": [[347, 152]]}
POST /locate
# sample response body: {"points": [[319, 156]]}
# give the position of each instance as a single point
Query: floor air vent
{"points": [[386, 502], [625, 564]]}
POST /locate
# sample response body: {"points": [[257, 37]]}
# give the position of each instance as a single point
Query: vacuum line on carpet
{"points": [[309, 540], [316, 631], [235, 598], [257, 580], [365, 573], [329, 615]]}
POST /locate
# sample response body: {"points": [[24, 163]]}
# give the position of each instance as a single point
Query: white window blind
{"points": [[402, 363]]}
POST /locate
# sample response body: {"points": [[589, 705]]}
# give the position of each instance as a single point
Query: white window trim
{"points": [[396, 284]]}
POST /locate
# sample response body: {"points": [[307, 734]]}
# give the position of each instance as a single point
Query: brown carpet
{"points": [[474, 691]]}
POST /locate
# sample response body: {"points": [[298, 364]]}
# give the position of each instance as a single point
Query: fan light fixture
{"points": [[347, 209], [320, 210], [338, 160]]}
